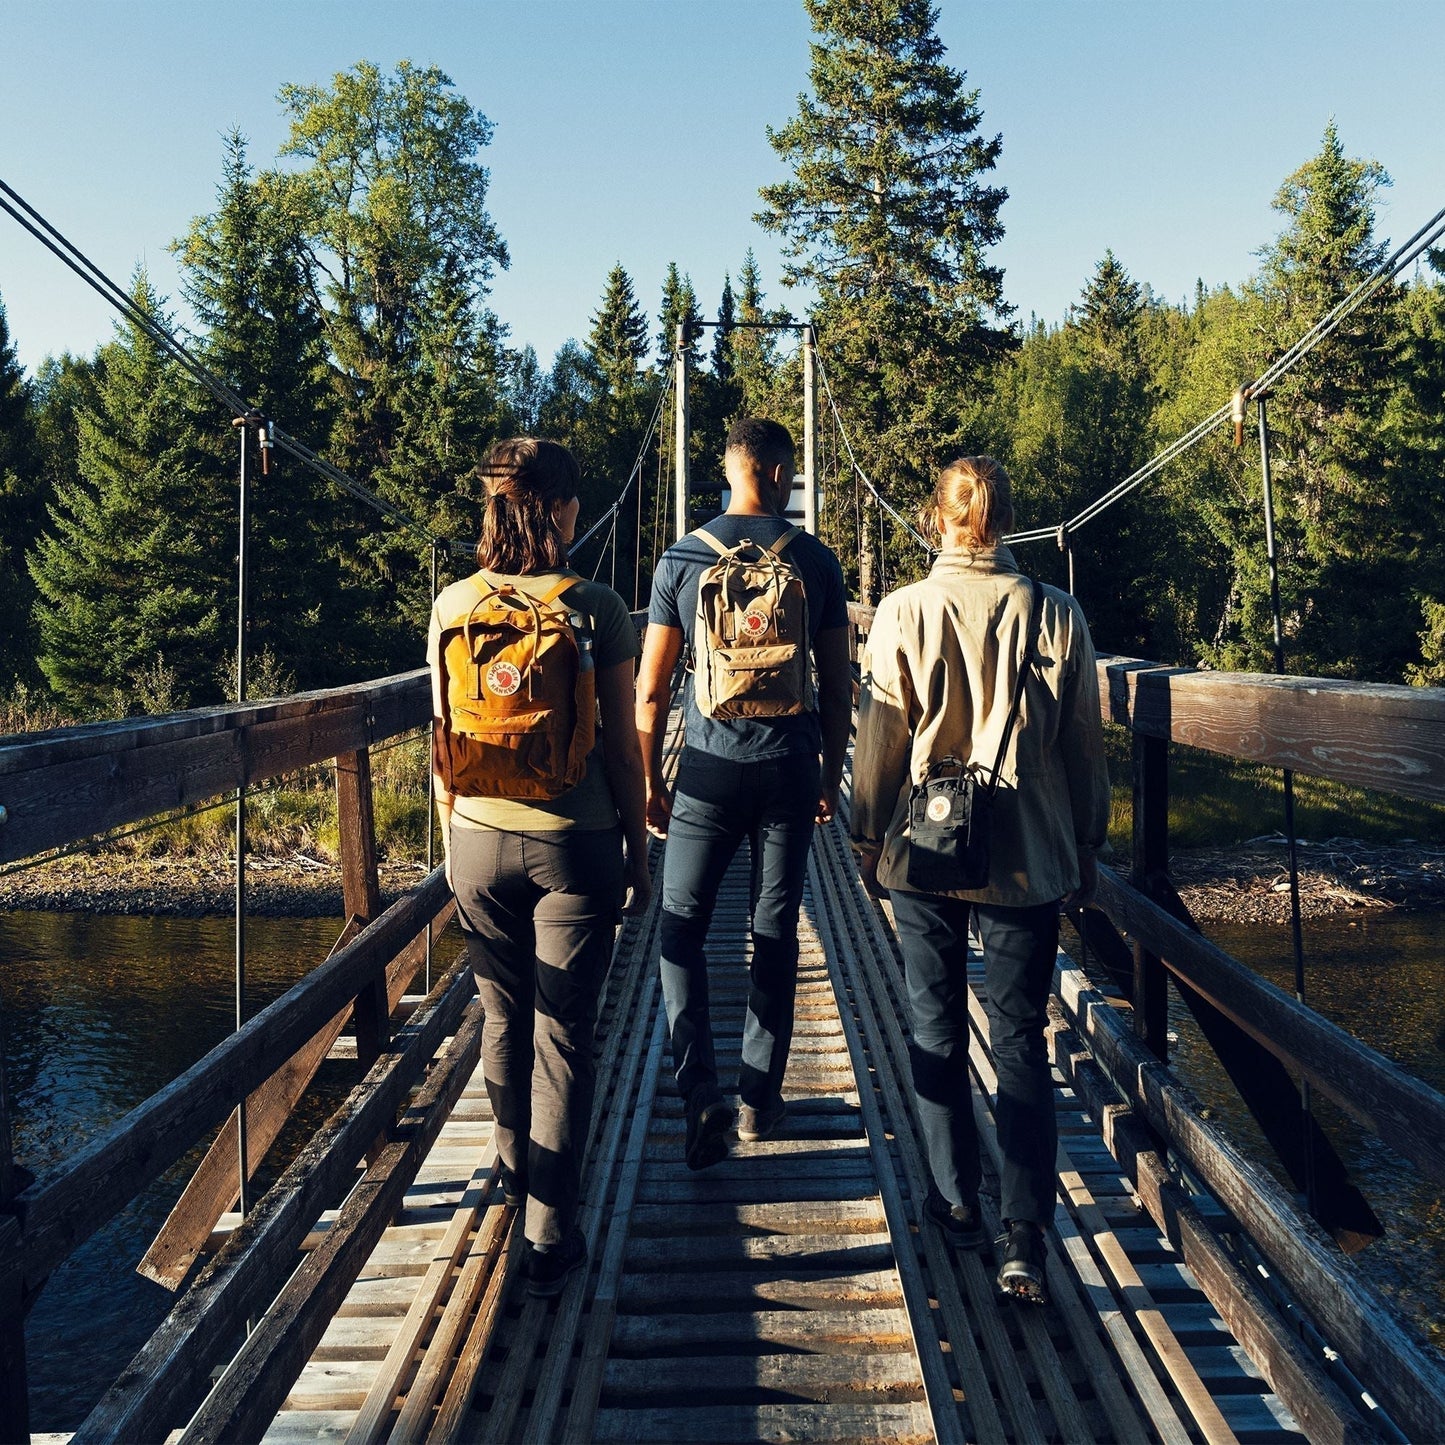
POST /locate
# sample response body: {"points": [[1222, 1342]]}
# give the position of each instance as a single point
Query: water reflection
{"points": [[100, 1011], [1382, 977]]}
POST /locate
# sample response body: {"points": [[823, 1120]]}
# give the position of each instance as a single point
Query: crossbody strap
{"points": [[1031, 642]]}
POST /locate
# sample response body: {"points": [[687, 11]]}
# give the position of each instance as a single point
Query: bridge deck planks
{"points": [[762, 1298]]}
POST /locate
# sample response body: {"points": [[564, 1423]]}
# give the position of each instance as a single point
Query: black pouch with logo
{"points": [[948, 830], [950, 813]]}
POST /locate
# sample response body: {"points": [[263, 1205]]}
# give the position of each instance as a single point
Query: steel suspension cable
{"points": [[611, 513], [1430, 234], [878, 496], [26, 216]]}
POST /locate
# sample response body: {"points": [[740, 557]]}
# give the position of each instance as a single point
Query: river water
{"points": [[100, 1011]]}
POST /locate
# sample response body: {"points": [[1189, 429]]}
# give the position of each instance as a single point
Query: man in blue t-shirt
{"points": [[758, 778]]}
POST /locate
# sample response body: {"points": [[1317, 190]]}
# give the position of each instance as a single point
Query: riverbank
{"points": [[295, 887], [1247, 884]]}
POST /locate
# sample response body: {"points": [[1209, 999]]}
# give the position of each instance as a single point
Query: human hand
{"points": [[868, 872], [659, 812], [827, 807], [1083, 895], [637, 884]]}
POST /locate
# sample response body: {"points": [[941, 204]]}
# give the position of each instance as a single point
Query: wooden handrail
{"points": [[63, 1209], [61, 786]]}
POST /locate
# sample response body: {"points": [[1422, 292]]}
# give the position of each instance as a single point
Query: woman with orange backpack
{"points": [[542, 814]]}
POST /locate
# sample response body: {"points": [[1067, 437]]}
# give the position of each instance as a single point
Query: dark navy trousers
{"points": [[718, 804], [1019, 948]]}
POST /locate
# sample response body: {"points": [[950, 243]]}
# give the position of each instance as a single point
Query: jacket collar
{"points": [[987, 562]]}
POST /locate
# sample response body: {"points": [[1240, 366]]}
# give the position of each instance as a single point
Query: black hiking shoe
{"points": [[514, 1191], [962, 1224], [547, 1269], [755, 1124], [708, 1122], [1021, 1275]]}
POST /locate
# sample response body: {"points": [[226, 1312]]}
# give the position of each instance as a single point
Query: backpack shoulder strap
{"points": [[703, 535], [554, 592], [777, 548]]}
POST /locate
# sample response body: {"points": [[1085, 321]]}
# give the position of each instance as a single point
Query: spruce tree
{"points": [[22, 511], [617, 342], [136, 571], [679, 307], [244, 274], [889, 216]]}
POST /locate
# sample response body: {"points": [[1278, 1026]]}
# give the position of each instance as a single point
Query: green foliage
{"points": [[887, 214], [21, 508], [389, 206], [132, 575]]}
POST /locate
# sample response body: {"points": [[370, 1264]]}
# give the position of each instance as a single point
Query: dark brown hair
{"points": [[522, 478], [974, 493]]}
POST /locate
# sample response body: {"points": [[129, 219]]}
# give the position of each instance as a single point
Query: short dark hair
{"points": [[764, 442]]}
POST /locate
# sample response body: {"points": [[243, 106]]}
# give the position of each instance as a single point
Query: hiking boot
{"points": [[514, 1192], [708, 1122], [755, 1124], [547, 1269], [962, 1224], [1021, 1275]]}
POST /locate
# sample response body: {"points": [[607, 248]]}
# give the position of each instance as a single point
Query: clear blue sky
{"points": [[633, 130]]}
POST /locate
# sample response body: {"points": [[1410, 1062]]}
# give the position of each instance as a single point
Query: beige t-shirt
{"points": [[588, 806]]}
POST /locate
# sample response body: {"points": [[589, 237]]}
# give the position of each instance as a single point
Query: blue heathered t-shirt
{"points": [[674, 604]]}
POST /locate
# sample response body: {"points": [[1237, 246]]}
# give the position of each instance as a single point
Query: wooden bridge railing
{"points": [[1387, 738], [61, 787]]}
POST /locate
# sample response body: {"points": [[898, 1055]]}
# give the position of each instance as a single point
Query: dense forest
{"points": [[344, 290]]}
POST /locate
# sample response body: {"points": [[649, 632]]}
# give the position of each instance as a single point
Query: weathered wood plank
{"points": [[1349, 1311], [758, 1379], [1407, 1114], [1324, 1412], [195, 1335], [1372, 735], [257, 1380], [899, 1424], [815, 1331], [71, 783], [211, 1190], [61, 1211]]}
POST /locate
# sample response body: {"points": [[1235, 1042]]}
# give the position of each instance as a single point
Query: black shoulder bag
{"points": [[950, 813]]}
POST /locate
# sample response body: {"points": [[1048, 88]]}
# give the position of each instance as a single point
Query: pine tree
{"points": [[888, 215], [679, 307], [135, 573], [1346, 542], [722, 336], [21, 510], [617, 342], [245, 277]]}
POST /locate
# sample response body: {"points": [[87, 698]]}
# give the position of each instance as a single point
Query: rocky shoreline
{"points": [[1248, 884]]}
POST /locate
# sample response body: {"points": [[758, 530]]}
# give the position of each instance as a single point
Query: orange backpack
{"points": [[519, 695]]}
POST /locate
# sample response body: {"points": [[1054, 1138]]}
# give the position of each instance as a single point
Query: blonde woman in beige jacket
{"points": [[940, 673]]}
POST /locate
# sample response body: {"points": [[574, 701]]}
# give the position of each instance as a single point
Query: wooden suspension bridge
{"points": [[373, 1293]]}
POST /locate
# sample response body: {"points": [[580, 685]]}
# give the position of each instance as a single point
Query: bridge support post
{"points": [[810, 432], [1151, 862], [361, 891], [683, 427]]}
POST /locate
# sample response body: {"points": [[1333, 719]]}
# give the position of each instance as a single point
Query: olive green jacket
{"points": [[938, 676]]}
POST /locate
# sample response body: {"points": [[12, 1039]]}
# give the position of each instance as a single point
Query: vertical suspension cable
{"points": [[1291, 843], [243, 427]]}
